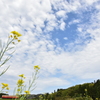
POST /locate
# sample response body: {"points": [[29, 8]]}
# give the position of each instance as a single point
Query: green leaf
{"points": [[10, 48], [4, 70]]}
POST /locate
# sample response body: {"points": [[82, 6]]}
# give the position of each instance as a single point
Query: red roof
{"points": [[9, 96]]}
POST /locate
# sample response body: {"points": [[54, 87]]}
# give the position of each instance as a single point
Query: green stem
{"points": [[4, 50], [31, 82]]}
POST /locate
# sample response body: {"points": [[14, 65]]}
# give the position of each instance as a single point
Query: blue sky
{"points": [[61, 36]]}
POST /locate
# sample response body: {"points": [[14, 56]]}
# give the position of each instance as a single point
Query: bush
{"points": [[83, 98]]}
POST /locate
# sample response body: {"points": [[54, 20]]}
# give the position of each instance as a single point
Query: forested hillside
{"points": [[82, 90]]}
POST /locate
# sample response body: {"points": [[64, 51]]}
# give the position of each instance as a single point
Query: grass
{"points": [[36, 99]]}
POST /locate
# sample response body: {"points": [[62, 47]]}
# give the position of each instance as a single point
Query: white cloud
{"points": [[90, 2], [61, 13], [38, 49], [51, 82], [74, 21], [65, 38], [62, 25]]}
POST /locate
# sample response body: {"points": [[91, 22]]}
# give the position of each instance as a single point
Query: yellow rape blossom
{"points": [[3, 87], [19, 40], [20, 82], [13, 42], [4, 84], [18, 89], [7, 88], [36, 67], [15, 33], [10, 36], [22, 75], [27, 92], [15, 37]]}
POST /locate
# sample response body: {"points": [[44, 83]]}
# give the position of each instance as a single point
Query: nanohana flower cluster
{"points": [[15, 35], [5, 87], [21, 87], [36, 67], [20, 83]]}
